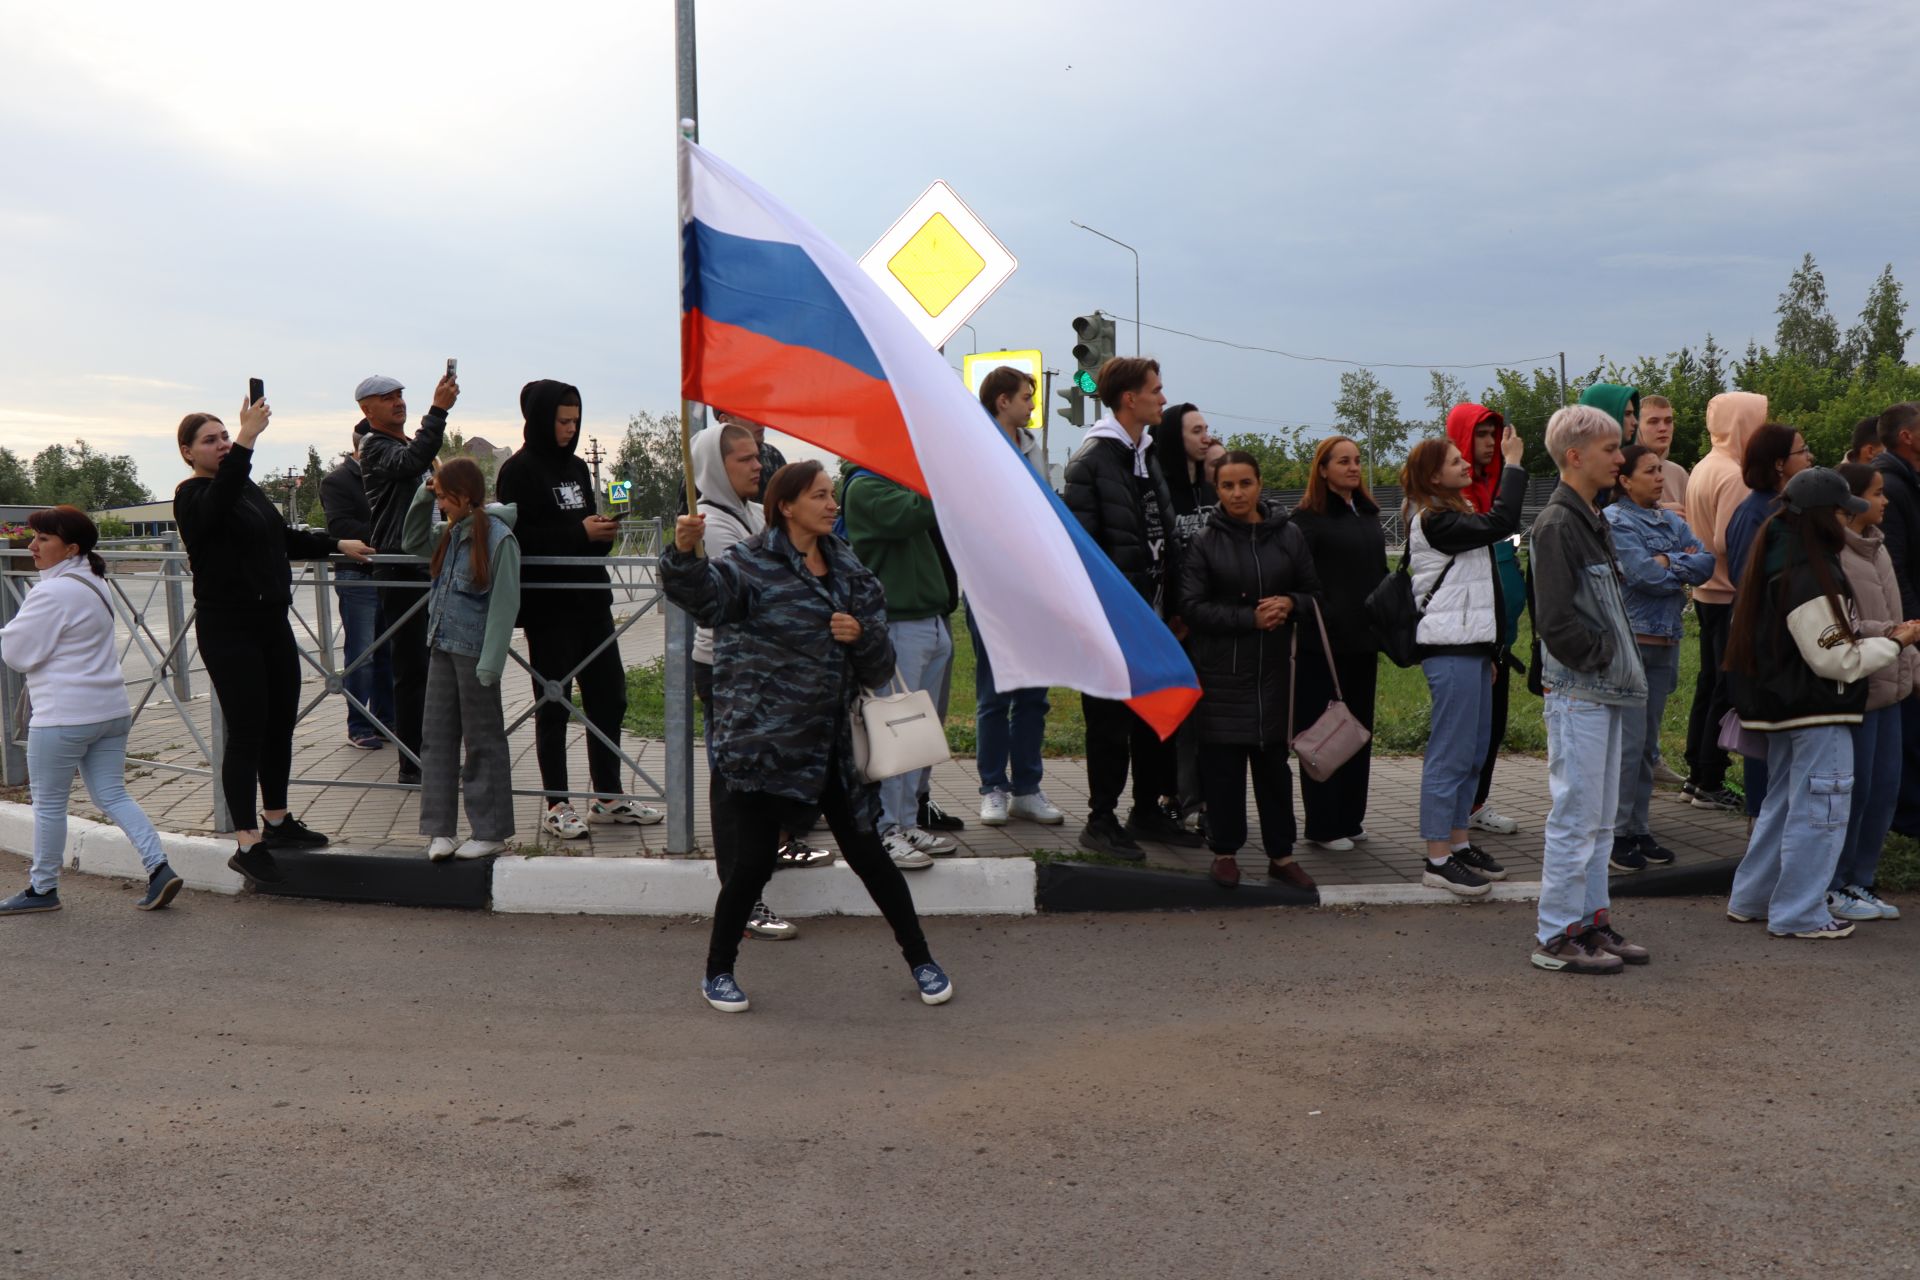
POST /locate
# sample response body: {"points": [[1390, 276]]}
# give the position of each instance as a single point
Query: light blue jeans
{"points": [[922, 650], [1797, 837], [1641, 745], [1583, 777], [1462, 690], [1876, 789], [99, 752]]}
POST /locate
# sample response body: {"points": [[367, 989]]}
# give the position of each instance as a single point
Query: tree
{"points": [[1443, 392], [1284, 455], [86, 478], [1369, 413], [1880, 334], [1526, 401], [16, 483], [649, 460], [1807, 330]]}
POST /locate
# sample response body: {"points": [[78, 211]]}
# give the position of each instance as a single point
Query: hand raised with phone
{"points": [[253, 420], [1512, 447], [446, 391]]}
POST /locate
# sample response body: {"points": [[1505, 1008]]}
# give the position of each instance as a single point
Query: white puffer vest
{"points": [[1463, 610]]}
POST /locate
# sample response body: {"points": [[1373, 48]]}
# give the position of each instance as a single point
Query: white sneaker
{"points": [[904, 855], [628, 812], [1361, 836], [1036, 808], [1887, 910], [927, 842], [1846, 904], [440, 848], [993, 808], [480, 848], [1341, 845], [1487, 818], [562, 821]]}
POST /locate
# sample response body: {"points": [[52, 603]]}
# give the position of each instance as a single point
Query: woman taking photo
{"points": [[1244, 578], [62, 642], [239, 549], [1341, 523], [800, 627], [1449, 549]]}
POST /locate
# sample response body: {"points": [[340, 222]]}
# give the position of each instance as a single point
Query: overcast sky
{"points": [[202, 192]]}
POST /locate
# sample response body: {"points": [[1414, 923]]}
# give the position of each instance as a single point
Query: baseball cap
{"points": [[1818, 487], [378, 385]]}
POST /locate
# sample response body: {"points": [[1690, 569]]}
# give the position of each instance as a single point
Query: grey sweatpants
{"points": [[458, 706]]}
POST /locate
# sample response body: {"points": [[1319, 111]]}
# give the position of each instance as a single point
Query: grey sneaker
{"points": [[26, 903], [1575, 953]]}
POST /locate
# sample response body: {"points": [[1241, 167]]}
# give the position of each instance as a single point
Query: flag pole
{"points": [[688, 131], [677, 678]]}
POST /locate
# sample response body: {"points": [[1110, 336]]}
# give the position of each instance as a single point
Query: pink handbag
{"points": [[1337, 736]]}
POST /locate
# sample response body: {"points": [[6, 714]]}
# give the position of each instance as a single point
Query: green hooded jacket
{"points": [[890, 528], [1613, 399]]}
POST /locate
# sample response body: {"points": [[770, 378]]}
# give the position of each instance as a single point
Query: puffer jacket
{"points": [[1901, 526], [1245, 672], [1876, 595], [1656, 593], [1104, 495], [783, 687], [1350, 558], [1464, 614], [1585, 643]]}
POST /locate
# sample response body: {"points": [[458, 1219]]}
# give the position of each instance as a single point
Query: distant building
{"points": [[144, 519], [481, 449]]}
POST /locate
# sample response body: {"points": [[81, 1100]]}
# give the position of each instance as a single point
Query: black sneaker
{"points": [[290, 833], [1479, 861], [1108, 837], [409, 775], [1626, 857], [1456, 879], [1653, 851], [1153, 824], [1725, 799], [934, 818], [1689, 788], [163, 886], [256, 864]]}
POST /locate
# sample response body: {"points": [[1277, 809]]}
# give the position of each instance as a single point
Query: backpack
{"points": [[840, 521]]}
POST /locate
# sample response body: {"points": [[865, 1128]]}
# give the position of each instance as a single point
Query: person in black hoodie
{"points": [[239, 549], [1180, 444], [343, 496], [1242, 581], [554, 493]]}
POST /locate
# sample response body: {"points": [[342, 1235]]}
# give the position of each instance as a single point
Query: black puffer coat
{"points": [[1350, 556], [1228, 569], [1104, 495]]}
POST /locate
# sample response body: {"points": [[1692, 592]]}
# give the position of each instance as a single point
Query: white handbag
{"points": [[896, 733]]}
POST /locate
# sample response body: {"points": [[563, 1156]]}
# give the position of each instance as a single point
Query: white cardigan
{"points": [[62, 641]]}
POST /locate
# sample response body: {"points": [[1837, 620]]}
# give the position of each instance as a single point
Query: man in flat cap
{"points": [[392, 466]]}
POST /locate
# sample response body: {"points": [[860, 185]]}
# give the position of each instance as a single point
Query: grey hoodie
{"points": [[730, 518]]}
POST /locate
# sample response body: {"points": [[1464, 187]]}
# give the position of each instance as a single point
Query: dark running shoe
{"points": [[1454, 877], [1480, 862], [1626, 857], [1106, 836], [409, 776], [290, 833], [1654, 852], [28, 902], [1726, 799], [797, 853], [1153, 824], [934, 818], [256, 864], [163, 886]]}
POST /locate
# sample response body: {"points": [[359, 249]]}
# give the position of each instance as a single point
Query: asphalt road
{"points": [[262, 1088]]}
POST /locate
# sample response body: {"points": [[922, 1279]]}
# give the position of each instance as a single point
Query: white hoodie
{"points": [[730, 517], [1109, 428], [62, 641]]}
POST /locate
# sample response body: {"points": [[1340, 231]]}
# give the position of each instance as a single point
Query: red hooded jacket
{"points": [[1461, 420]]}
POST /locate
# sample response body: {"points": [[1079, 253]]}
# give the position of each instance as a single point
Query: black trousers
{"points": [[746, 844], [255, 669], [1223, 781], [1336, 808], [408, 650], [553, 648], [1501, 673], [1706, 762], [1115, 738]]}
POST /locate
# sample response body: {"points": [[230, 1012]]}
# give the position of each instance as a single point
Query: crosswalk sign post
{"points": [[619, 496]]}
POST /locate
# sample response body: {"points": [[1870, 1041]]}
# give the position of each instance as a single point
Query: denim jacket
{"points": [[474, 622], [1656, 593], [1579, 616]]}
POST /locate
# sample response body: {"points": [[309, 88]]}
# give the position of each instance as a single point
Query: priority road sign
{"points": [[938, 263]]}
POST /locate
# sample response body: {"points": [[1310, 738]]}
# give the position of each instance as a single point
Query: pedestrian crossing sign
{"points": [[619, 493]]}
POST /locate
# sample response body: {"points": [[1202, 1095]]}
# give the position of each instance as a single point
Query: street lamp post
{"points": [[1136, 278], [976, 337]]}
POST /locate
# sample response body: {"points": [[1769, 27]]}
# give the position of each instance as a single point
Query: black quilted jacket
{"points": [[1104, 496]]}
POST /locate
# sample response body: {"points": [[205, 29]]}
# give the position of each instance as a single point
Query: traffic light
{"points": [[1076, 410], [1094, 349]]}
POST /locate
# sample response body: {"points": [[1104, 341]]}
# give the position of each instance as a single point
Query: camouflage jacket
{"points": [[783, 688]]}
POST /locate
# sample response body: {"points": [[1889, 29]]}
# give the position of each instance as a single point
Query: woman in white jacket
{"points": [[62, 641]]}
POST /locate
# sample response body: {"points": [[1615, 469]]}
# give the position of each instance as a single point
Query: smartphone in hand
{"points": [[256, 391], [453, 367]]}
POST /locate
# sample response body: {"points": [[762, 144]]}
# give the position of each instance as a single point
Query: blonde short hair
{"points": [[1576, 427]]}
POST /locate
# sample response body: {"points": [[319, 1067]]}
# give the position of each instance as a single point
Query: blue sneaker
{"points": [[22, 903], [935, 986], [163, 886], [724, 994]]}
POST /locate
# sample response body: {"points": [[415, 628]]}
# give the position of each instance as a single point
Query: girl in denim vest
{"points": [[472, 598]]}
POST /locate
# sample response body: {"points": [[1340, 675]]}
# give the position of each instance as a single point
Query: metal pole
{"points": [[1046, 420], [1563, 378], [1136, 278], [13, 759], [175, 571], [679, 654]]}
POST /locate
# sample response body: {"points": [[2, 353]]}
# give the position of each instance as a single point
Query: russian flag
{"points": [[779, 325]]}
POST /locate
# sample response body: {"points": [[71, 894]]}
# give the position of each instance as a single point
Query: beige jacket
{"points": [[1674, 496], [1876, 597], [1715, 487]]}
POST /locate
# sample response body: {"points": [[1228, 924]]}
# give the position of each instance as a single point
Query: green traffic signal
{"points": [[1086, 382]]}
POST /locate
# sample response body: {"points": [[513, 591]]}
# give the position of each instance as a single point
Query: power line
{"points": [[1360, 364]]}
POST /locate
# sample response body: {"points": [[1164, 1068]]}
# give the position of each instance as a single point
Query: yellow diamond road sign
{"points": [[938, 263]]}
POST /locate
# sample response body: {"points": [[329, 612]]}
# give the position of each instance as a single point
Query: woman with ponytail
{"points": [[472, 599], [62, 641]]}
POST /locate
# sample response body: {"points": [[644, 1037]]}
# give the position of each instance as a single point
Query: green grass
{"points": [[1900, 865]]}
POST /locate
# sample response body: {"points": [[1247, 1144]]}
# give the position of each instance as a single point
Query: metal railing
{"points": [[156, 578]]}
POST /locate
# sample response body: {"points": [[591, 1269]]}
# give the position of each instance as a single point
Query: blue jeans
{"points": [[1877, 747], [1640, 743], [99, 752], [373, 682], [922, 652], [1008, 727], [1797, 837], [1462, 690], [1584, 740]]}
